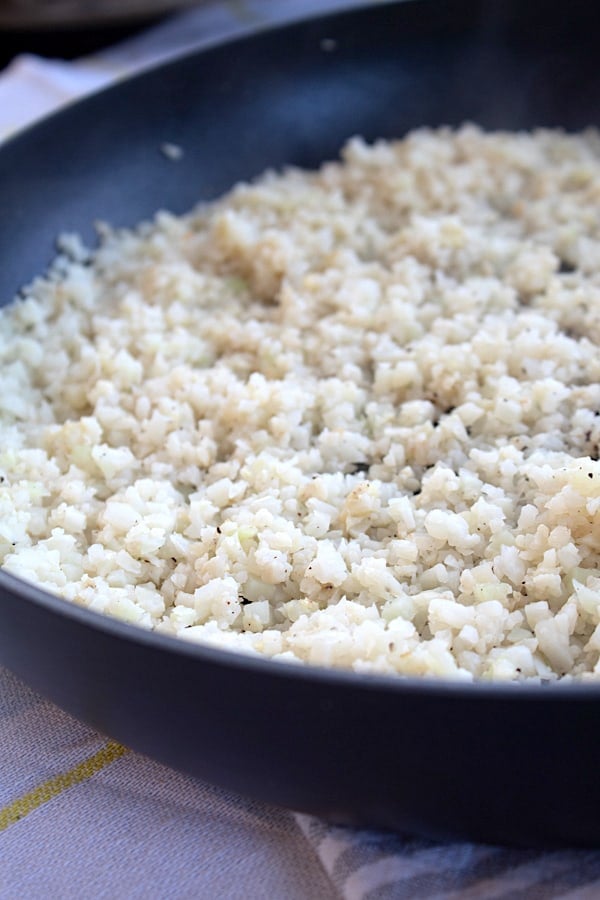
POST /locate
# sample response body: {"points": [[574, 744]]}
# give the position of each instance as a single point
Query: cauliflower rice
{"points": [[349, 418]]}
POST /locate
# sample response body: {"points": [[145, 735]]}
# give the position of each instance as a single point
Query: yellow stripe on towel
{"points": [[55, 786]]}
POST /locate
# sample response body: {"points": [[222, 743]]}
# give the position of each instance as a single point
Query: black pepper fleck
{"points": [[566, 268]]}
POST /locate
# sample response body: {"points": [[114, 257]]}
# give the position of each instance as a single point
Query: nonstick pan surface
{"points": [[513, 764]]}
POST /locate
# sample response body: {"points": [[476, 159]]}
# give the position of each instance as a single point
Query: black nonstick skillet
{"points": [[515, 764]]}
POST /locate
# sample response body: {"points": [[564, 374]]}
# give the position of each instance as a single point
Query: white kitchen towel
{"points": [[83, 817]]}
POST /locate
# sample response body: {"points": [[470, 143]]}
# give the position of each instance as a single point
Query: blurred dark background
{"points": [[66, 29], [67, 43]]}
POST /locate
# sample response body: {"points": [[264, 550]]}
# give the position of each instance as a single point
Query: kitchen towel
{"points": [[83, 817]]}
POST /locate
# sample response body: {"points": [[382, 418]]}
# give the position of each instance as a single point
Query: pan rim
{"points": [[220, 42]]}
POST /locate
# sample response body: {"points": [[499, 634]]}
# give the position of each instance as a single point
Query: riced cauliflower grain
{"points": [[348, 417]]}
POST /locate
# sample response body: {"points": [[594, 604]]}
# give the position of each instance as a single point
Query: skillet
{"points": [[500, 763]]}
